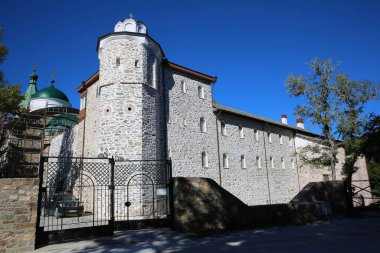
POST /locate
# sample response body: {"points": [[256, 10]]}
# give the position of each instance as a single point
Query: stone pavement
{"points": [[338, 235]]}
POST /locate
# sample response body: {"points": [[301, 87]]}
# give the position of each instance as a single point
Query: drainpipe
{"points": [[218, 145], [266, 165], [295, 154]]}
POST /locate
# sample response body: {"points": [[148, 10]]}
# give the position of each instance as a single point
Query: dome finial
{"points": [[33, 76], [130, 15], [53, 74]]}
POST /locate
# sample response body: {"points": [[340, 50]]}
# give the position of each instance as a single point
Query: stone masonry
{"points": [[18, 214]]}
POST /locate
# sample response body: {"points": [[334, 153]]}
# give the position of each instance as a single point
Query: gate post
{"points": [[171, 198], [112, 190], [39, 240]]}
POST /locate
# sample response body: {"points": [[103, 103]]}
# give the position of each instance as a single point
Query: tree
{"points": [[370, 147], [352, 97], [318, 91], [10, 98]]}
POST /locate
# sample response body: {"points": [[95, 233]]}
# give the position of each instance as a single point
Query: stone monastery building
{"points": [[139, 105]]}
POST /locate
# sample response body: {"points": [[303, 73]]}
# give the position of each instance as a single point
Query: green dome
{"points": [[33, 75], [50, 92]]}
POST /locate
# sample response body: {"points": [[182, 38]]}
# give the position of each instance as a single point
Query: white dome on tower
{"points": [[130, 25]]}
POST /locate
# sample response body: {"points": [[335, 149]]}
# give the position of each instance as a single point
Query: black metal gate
{"points": [[141, 194], [82, 197]]}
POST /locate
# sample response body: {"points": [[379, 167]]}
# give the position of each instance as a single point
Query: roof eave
{"points": [[211, 79]]}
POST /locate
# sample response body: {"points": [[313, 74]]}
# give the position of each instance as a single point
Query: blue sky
{"points": [[251, 46]]}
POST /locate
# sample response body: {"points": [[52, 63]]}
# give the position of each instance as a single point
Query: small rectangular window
{"points": [[183, 86], [243, 163], [281, 141], [256, 133], [258, 162], [241, 132], [282, 163], [223, 129], [225, 161], [269, 137], [271, 162]]}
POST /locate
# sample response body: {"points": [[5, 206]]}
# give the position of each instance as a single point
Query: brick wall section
{"points": [[18, 214]]}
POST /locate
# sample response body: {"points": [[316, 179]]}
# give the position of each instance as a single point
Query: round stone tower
{"points": [[131, 93]]}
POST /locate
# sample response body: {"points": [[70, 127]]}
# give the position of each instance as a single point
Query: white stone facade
{"points": [[141, 106]]}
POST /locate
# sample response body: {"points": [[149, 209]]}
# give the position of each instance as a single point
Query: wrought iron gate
{"points": [[141, 194], [95, 196]]}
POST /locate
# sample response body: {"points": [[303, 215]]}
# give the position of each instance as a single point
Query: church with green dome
{"points": [[35, 99]]}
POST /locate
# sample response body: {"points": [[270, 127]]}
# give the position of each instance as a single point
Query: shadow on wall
{"points": [[201, 206], [68, 170]]}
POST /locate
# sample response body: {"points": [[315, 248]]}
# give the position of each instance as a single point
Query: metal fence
{"points": [[96, 196]]}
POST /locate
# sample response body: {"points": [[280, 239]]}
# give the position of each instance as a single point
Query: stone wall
{"points": [[256, 185], [18, 214], [186, 142], [333, 193], [67, 143], [201, 206]]}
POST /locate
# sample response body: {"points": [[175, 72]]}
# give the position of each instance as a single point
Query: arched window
{"points": [[225, 161], [242, 161], [202, 124], [282, 163], [241, 132], [201, 92], [256, 133], [258, 161], [183, 86], [117, 61], [269, 137], [223, 128], [204, 160], [271, 162]]}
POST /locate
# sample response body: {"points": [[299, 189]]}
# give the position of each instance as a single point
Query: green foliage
{"points": [[370, 147], [315, 155], [331, 99], [317, 89]]}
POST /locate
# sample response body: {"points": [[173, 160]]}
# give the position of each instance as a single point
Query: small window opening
{"points": [[258, 161], [203, 125], [225, 161], [269, 137], [281, 141], [204, 160], [290, 141], [282, 163], [117, 61], [241, 132], [223, 129], [201, 92], [137, 64], [271, 162], [256, 133], [243, 163], [183, 85]]}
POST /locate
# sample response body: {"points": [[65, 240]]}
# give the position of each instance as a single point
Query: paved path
{"points": [[357, 235]]}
